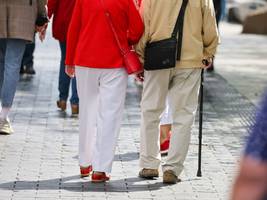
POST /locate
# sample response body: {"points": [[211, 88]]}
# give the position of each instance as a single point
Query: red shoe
{"points": [[164, 147], [85, 171], [99, 177]]}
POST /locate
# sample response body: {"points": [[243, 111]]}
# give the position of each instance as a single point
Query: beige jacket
{"points": [[200, 36], [17, 18]]}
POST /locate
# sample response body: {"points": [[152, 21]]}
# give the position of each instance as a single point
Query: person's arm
{"points": [[209, 29], [42, 19], [251, 182], [52, 6], [146, 16], [136, 26], [42, 7], [73, 33]]}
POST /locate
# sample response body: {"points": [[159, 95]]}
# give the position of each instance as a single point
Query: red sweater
{"points": [[90, 40], [61, 10]]}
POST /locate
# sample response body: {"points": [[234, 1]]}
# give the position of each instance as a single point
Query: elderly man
{"points": [[180, 83], [18, 21]]}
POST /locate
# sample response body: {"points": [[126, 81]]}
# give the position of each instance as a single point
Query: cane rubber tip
{"points": [[199, 174]]}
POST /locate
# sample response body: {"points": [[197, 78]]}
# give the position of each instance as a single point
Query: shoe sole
{"points": [[84, 175], [171, 182], [99, 181], [169, 179], [5, 133], [150, 176]]}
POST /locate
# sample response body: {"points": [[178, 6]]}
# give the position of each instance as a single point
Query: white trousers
{"points": [[102, 96], [166, 116], [182, 88]]}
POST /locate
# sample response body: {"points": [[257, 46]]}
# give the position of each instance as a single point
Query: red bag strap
{"points": [[108, 16]]}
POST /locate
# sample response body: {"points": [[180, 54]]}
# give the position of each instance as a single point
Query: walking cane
{"points": [[199, 174]]}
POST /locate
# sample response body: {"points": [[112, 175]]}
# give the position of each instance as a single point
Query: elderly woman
{"points": [[94, 55], [18, 21]]}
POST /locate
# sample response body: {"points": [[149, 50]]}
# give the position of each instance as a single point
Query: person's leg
{"points": [[165, 122], [223, 9], [22, 68], [165, 129], [219, 13], [64, 79], [166, 116], [113, 84], [74, 100], [28, 58], [2, 62], [13, 57], [183, 98], [12, 62], [155, 89], [88, 89]]}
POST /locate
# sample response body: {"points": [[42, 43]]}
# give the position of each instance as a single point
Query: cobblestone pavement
{"points": [[242, 61], [39, 161]]}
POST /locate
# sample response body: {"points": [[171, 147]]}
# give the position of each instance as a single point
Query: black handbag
{"points": [[163, 54]]}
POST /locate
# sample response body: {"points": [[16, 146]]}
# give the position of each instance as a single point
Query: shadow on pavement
{"points": [[75, 184]]}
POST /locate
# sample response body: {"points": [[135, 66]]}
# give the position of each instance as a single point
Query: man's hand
{"points": [[139, 77], [41, 28], [70, 71], [207, 62], [42, 31]]}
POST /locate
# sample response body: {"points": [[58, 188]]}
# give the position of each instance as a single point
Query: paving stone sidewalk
{"points": [[39, 161]]}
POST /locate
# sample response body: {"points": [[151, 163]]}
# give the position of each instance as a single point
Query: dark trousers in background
{"points": [[27, 60], [218, 12], [65, 80]]}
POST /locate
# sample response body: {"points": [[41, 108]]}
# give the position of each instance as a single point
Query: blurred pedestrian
{"points": [[17, 27], [27, 59], [61, 10], [218, 11], [95, 58], [180, 83], [223, 9], [251, 183]]}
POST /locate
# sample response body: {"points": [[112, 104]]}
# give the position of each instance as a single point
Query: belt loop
{"points": [[31, 2]]}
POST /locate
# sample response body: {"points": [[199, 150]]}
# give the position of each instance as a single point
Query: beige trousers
{"points": [[182, 88]]}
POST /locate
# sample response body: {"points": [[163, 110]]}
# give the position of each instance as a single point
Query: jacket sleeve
{"points": [[136, 26], [42, 7], [145, 11], [73, 33], [52, 6], [210, 30]]}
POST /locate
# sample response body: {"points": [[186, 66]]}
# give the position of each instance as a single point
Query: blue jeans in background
{"points": [[65, 80], [11, 53]]}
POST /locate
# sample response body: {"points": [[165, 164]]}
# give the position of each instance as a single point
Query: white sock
{"points": [[4, 113]]}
